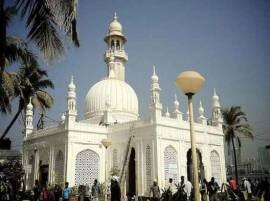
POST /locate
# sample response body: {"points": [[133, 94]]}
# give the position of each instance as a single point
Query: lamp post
{"points": [[190, 82], [106, 143]]}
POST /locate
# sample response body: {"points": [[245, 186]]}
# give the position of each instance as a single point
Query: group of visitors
{"points": [[184, 190], [41, 193], [87, 194], [6, 189], [250, 189]]}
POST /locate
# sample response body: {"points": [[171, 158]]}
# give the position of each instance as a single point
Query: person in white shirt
{"points": [[187, 187], [247, 186]]}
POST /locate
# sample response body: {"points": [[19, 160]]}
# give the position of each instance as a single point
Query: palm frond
{"points": [[42, 27]]}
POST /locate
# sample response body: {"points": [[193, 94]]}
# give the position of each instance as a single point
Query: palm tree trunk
{"points": [[235, 162], [11, 123]]}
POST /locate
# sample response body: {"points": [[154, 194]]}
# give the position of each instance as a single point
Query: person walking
{"points": [[57, 192], [36, 191], [66, 192], [154, 191], [115, 189], [247, 186], [203, 190], [95, 191], [212, 189]]}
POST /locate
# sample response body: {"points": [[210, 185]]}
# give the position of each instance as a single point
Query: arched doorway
{"points": [[132, 174], [201, 173]]}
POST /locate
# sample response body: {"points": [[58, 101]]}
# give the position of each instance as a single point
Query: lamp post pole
{"points": [[190, 82], [106, 143], [193, 149]]}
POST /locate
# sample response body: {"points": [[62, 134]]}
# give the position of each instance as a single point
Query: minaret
{"points": [[201, 119], [155, 105], [177, 114], [216, 110], [29, 118], [115, 40], [71, 102]]}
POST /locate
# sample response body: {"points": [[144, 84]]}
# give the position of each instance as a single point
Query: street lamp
{"points": [[190, 82], [106, 143]]}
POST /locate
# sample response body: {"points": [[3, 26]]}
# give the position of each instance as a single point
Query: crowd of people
{"points": [[256, 189], [85, 193], [246, 190]]}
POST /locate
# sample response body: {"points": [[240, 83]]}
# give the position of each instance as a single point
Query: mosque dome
{"points": [[112, 95]]}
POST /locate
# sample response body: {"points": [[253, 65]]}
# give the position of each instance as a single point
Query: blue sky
{"points": [[226, 41]]}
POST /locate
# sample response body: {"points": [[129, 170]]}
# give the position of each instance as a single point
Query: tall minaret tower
{"points": [[115, 55], [155, 104], [71, 112], [29, 118], [216, 110]]}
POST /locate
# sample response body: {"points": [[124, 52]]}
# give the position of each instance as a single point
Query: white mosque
{"points": [[142, 149]]}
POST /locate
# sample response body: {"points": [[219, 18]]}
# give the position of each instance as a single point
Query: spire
{"points": [[177, 114], [167, 114], [154, 76], [71, 100], [155, 90], [115, 16], [29, 118], [201, 119], [201, 110], [216, 110], [155, 104]]}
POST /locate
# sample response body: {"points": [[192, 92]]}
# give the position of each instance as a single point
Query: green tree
{"points": [[31, 81], [235, 124]]}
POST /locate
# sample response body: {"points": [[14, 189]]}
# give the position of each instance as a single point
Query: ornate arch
{"points": [[86, 167], [215, 165], [170, 164], [59, 168]]}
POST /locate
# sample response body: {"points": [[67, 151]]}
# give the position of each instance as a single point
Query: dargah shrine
{"points": [[142, 150]]}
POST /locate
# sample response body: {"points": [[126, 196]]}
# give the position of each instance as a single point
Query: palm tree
{"points": [[235, 123], [30, 82]]}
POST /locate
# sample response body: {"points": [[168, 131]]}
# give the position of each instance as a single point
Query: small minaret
{"points": [[29, 118], [155, 105], [201, 119], [71, 112], [115, 41], [167, 114], [177, 114], [216, 110]]}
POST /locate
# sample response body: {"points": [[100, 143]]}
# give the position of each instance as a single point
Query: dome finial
{"points": [[115, 16], [154, 70], [215, 93]]}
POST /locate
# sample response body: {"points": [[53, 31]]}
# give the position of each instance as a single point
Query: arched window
{"points": [[215, 166], [59, 168], [148, 166], [170, 164], [117, 44], [112, 44], [86, 167]]}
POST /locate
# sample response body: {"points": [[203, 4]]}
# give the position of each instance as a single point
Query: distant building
{"points": [[154, 148], [264, 158]]}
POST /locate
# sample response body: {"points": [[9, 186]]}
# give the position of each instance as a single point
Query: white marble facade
{"points": [[72, 150]]}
